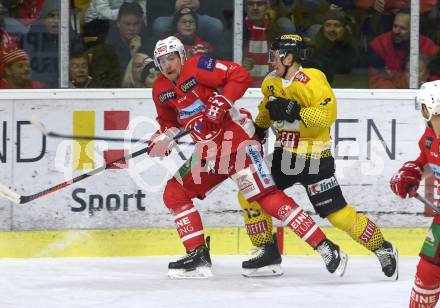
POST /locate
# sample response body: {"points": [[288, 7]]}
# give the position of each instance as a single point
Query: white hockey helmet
{"points": [[166, 46], [429, 96]]}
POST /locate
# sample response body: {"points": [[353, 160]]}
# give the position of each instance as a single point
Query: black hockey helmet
{"points": [[289, 43]]}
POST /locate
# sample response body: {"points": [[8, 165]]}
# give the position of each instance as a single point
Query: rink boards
{"points": [[375, 133]]}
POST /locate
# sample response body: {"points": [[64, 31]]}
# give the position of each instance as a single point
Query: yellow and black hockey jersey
{"points": [[311, 90]]}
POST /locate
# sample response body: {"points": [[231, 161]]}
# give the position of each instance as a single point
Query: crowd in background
{"points": [[356, 43]]}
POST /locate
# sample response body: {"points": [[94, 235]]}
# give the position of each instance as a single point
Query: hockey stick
{"points": [[428, 203], [16, 198], [49, 133]]}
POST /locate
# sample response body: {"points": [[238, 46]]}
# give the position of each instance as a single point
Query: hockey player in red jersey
{"points": [[186, 97], [426, 290]]}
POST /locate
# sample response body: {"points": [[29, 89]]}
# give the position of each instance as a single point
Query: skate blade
{"points": [[342, 265], [265, 271], [198, 273]]}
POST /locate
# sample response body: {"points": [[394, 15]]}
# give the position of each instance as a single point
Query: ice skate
{"points": [[267, 262], [195, 265], [388, 258], [335, 260]]}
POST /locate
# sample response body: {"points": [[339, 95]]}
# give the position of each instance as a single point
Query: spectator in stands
{"points": [[41, 44], [79, 76], [109, 9], [185, 25], [300, 16], [11, 24], [210, 28], [388, 53], [140, 72], [17, 71], [26, 11], [129, 37], [102, 58], [377, 16], [258, 33], [335, 49], [7, 39]]}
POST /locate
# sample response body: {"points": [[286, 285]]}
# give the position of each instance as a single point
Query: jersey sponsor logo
{"points": [[221, 66], [206, 63], [256, 228], [191, 110], [322, 186], [288, 139], [188, 85], [301, 77], [368, 232], [166, 96], [428, 142], [435, 169], [261, 168], [246, 183], [198, 133], [284, 211]]}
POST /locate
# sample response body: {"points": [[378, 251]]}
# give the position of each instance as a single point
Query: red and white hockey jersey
{"points": [[181, 104]]}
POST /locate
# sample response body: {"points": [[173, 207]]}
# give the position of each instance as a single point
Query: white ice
{"points": [[131, 282]]}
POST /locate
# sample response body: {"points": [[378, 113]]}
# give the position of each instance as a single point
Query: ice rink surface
{"points": [[142, 282]]}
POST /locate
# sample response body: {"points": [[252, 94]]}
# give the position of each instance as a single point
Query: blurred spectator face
{"points": [[401, 29], [186, 25], [256, 9], [171, 66], [333, 30], [18, 73], [78, 70], [52, 21], [129, 26], [192, 4]]}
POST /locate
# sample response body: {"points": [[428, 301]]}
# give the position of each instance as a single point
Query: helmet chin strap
{"points": [[286, 67]]}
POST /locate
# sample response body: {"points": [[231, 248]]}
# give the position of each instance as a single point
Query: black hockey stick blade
{"points": [[16, 198]]}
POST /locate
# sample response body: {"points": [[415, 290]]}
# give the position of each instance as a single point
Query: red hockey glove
{"points": [[215, 112], [161, 143], [407, 179]]}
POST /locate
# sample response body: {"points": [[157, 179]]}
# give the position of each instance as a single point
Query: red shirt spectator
{"points": [[28, 11], [17, 71], [389, 54]]}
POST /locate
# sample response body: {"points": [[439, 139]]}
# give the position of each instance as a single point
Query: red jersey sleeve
{"points": [[422, 160], [233, 78], [166, 113]]}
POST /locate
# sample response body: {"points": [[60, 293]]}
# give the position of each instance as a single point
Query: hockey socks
{"points": [[278, 205], [426, 290], [189, 226], [358, 226], [258, 223]]}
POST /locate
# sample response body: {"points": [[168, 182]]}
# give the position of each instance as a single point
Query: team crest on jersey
{"points": [[301, 77], [206, 63], [428, 142], [188, 85], [166, 96]]}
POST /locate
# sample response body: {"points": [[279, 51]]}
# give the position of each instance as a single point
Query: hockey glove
{"points": [[215, 112], [261, 133], [407, 179], [283, 109], [161, 143]]}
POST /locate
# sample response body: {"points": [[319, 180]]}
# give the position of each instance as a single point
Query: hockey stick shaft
{"points": [[428, 203], [24, 199]]}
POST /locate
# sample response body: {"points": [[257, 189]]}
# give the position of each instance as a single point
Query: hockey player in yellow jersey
{"points": [[299, 103]]}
